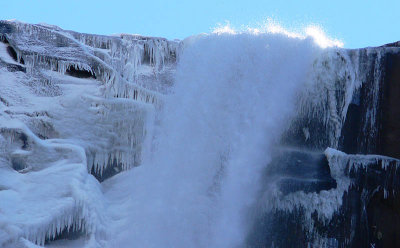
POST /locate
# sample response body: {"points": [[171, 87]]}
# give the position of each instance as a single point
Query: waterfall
{"points": [[234, 95]]}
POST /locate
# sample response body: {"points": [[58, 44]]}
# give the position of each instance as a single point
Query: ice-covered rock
{"points": [[124, 66], [354, 109], [71, 105]]}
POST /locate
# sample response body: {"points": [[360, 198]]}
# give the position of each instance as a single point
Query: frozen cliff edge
{"points": [[59, 90], [124, 68]]}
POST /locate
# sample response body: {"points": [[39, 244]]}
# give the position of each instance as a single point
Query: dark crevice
{"points": [[112, 169], [4, 39], [71, 71], [15, 67], [146, 57], [24, 139], [13, 54], [66, 234]]}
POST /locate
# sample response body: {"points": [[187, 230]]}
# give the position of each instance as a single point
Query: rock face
{"points": [[333, 181], [376, 187], [365, 209]]}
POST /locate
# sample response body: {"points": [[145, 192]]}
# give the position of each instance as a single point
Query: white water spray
{"points": [[234, 96]]}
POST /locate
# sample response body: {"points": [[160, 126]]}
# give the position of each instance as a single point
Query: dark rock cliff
{"points": [[368, 213]]}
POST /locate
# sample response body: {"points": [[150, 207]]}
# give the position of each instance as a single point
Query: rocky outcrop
{"points": [[366, 210]]}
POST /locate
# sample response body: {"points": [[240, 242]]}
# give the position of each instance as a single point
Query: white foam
{"points": [[233, 96]]}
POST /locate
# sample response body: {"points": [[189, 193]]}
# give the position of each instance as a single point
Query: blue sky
{"points": [[356, 23]]}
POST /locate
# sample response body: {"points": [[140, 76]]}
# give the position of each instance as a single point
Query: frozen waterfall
{"points": [[191, 142], [234, 96]]}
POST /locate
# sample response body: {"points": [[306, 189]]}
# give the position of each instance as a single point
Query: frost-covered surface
{"points": [[336, 82], [202, 133], [45, 188], [56, 129], [330, 91], [124, 65]]}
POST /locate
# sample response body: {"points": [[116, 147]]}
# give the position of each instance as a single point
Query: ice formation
{"points": [[195, 122], [45, 188], [70, 110]]}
